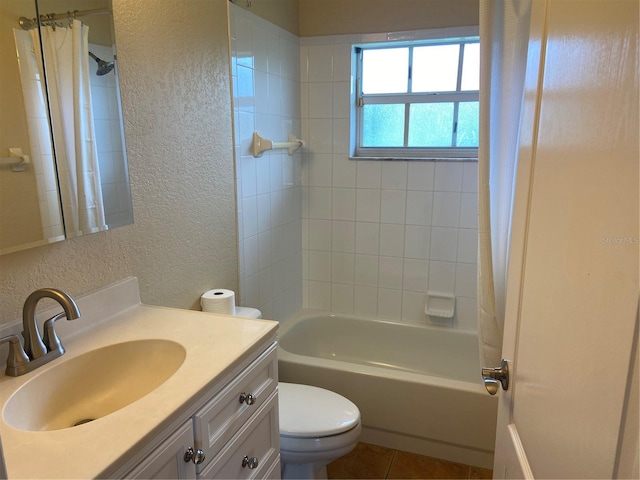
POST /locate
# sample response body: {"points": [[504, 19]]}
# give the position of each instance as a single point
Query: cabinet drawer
{"points": [[167, 461], [217, 422], [258, 441]]}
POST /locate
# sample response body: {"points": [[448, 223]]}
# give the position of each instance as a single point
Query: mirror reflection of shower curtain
{"points": [[66, 53], [39, 136]]}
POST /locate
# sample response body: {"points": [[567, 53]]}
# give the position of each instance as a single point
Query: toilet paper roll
{"points": [[219, 300]]}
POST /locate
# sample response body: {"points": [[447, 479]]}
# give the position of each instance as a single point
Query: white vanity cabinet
{"points": [[232, 432]]}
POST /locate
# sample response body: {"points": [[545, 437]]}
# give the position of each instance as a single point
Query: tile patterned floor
{"points": [[368, 461]]}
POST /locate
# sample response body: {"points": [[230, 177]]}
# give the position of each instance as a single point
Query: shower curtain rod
{"points": [[28, 24]]}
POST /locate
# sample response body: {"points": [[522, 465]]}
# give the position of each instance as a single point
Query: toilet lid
{"points": [[307, 411]]}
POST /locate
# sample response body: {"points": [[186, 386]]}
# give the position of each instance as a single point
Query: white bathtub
{"points": [[418, 388]]}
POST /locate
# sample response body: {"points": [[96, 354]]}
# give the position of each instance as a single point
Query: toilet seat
{"points": [[312, 412]]}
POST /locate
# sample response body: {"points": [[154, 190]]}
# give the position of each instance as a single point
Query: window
{"points": [[418, 99]]}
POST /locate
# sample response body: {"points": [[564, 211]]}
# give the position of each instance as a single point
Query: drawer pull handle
{"points": [[248, 399], [249, 462], [196, 457]]}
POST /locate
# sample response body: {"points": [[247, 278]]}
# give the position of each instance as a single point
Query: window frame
{"points": [[461, 35]]}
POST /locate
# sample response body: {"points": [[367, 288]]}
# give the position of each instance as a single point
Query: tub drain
{"points": [[83, 421]]}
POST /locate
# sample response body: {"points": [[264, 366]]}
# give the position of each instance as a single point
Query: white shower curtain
{"points": [[66, 51], [504, 34]]}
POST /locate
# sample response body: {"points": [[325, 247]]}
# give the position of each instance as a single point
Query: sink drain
{"points": [[83, 421]]}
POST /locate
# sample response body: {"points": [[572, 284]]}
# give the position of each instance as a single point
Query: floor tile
{"points": [[411, 466], [365, 461], [480, 473]]}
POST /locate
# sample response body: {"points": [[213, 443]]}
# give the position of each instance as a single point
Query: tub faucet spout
{"points": [[33, 344]]}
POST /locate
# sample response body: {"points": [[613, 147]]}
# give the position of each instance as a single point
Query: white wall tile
{"points": [[469, 210], [413, 304], [248, 176], [366, 301], [344, 204], [344, 171], [470, 177], [261, 98], [342, 267], [259, 45], [342, 298], [251, 294], [265, 285], [304, 101], [275, 172], [320, 135], [368, 205], [442, 277], [250, 216], [366, 270], [274, 59], [320, 202], [304, 63], [466, 314], [466, 280], [444, 244], [419, 207], [446, 209], [320, 235], [448, 177], [342, 62], [263, 175], [320, 58], [387, 231], [343, 236], [390, 303], [369, 174], [275, 99], [467, 245], [390, 272], [421, 176], [320, 266], [320, 295], [320, 167], [393, 206], [394, 175], [251, 256], [417, 242], [341, 99], [264, 212], [321, 100], [367, 238], [341, 136], [392, 240]]}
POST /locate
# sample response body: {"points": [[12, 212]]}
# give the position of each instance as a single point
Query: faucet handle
{"points": [[17, 357], [51, 339]]}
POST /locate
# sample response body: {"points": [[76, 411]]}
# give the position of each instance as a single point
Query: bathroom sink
{"points": [[93, 385]]}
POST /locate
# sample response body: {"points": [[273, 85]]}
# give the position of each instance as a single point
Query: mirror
{"points": [[78, 183]]}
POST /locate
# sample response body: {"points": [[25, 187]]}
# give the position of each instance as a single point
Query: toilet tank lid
{"points": [[307, 411], [248, 312]]}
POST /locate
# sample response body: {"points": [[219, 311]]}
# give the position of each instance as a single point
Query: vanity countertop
{"points": [[215, 345]]}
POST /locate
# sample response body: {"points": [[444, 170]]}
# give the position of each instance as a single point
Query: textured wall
{"points": [[335, 17], [283, 13], [173, 59]]}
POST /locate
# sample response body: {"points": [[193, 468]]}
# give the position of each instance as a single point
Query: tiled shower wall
{"points": [[378, 235], [266, 98]]}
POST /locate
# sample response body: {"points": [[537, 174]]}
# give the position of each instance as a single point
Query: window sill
{"points": [[414, 159]]}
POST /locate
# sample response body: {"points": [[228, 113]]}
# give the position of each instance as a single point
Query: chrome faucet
{"points": [[37, 352]]}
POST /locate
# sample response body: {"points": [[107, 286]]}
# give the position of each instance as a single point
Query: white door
{"points": [[573, 279]]}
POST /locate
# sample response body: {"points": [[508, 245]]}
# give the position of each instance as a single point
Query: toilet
{"points": [[317, 426]]}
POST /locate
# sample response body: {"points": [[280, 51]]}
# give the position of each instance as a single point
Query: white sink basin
{"points": [[93, 385]]}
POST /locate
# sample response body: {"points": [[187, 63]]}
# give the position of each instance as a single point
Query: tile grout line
{"points": [[393, 457]]}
